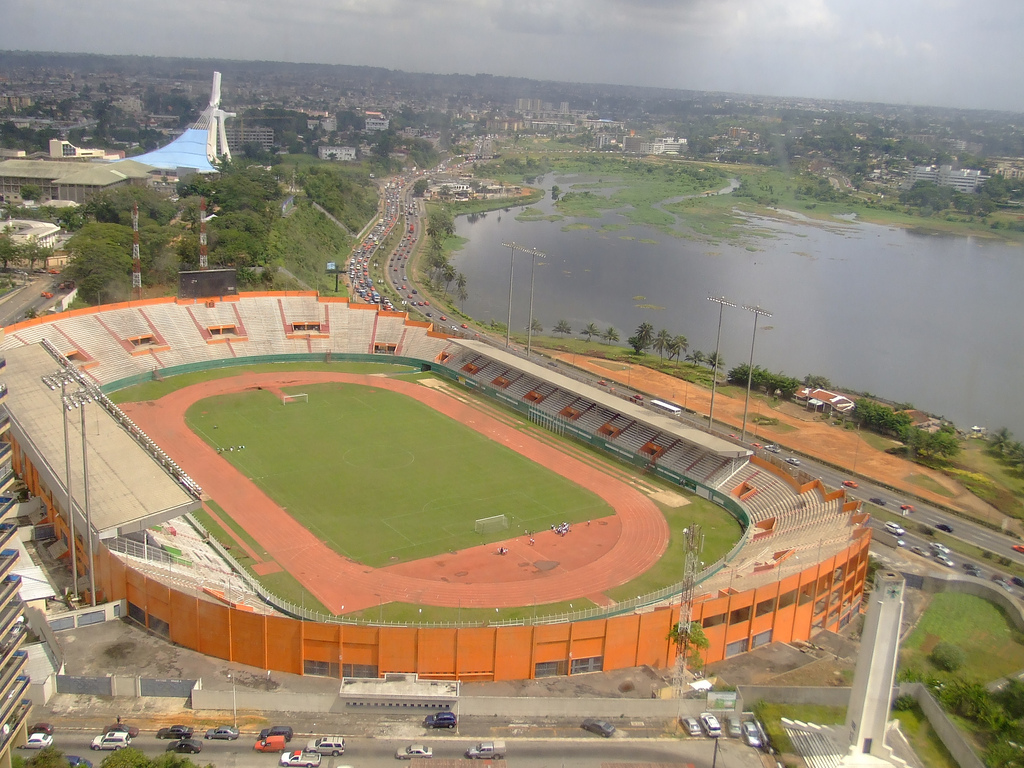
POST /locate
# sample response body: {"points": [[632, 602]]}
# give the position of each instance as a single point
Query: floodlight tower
{"points": [[204, 261], [722, 304], [136, 259]]}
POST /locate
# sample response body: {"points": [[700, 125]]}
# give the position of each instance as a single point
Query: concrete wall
{"points": [[948, 733], [793, 694]]}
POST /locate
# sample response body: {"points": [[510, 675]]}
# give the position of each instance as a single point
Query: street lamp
{"points": [[533, 266], [722, 304], [234, 701], [758, 312]]}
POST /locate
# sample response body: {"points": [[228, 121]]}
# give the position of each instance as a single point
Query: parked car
{"points": [[176, 732], [440, 720], [41, 728], [277, 730], [307, 759], [414, 750], [112, 740], [691, 726], [270, 744], [751, 734], [131, 730], [327, 745], [226, 732], [710, 724], [78, 762], [600, 727], [38, 741], [732, 728], [188, 746]]}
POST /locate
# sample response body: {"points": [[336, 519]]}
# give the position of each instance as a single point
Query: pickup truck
{"points": [[487, 750]]}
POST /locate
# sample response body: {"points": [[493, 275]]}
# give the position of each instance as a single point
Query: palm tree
{"points": [[590, 331], [448, 274], [677, 347], [563, 327], [535, 326], [999, 439], [696, 357], [715, 360], [644, 336], [611, 335], [662, 342], [460, 289]]}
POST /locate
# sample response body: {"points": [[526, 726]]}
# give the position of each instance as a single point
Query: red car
{"points": [[907, 507], [1018, 548], [850, 484]]}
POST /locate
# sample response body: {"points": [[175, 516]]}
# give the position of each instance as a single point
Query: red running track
{"points": [[594, 557]]}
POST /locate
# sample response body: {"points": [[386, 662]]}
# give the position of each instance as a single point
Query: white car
{"points": [[945, 561], [306, 759], [751, 735], [112, 740], [711, 725], [414, 750], [38, 741]]}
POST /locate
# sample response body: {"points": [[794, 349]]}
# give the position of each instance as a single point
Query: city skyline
{"points": [[939, 53]]}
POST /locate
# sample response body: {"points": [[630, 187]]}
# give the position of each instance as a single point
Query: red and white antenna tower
{"points": [[204, 261], [136, 259]]}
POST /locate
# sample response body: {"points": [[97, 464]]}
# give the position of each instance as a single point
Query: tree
{"points": [[420, 187], [47, 757], [610, 335], [948, 657], [448, 274], [998, 440], [460, 289], [31, 192], [696, 357], [535, 326], [643, 338], [817, 382], [695, 639], [129, 757], [590, 331], [662, 342], [677, 347], [563, 327]]}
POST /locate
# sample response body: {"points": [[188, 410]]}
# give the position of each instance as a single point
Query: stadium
{"points": [[430, 454]]}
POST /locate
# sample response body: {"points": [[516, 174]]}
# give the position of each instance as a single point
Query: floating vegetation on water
{"points": [[626, 237], [535, 214], [649, 306], [753, 248], [614, 227], [575, 226], [648, 241], [805, 254], [639, 298], [713, 253]]}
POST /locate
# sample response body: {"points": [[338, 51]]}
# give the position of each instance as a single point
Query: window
{"points": [[787, 599], [738, 647], [592, 664], [762, 638], [320, 668], [765, 607], [740, 615], [551, 668], [359, 670], [713, 621]]}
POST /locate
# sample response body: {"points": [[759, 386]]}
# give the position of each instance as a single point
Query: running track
{"points": [[591, 559]]}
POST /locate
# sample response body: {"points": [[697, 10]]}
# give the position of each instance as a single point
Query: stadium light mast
{"points": [[513, 247], [204, 261], [758, 313], [136, 259], [534, 253], [722, 304]]}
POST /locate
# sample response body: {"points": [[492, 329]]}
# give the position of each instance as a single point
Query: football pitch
{"points": [[382, 478]]}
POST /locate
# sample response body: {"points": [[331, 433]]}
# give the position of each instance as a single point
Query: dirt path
{"points": [[592, 558], [802, 432]]}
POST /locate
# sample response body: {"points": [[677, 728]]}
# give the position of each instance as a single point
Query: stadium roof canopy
{"points": [[669, 426], [128, 490], [186, 151]]}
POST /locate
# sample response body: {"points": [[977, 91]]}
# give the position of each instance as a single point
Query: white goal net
{"points": [[491, 524], [299, 398]]}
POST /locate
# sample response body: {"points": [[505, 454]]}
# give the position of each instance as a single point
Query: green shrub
{"points": [[948, 657]]}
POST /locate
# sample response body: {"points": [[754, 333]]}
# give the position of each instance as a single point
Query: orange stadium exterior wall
{"points": [[822, 596]]}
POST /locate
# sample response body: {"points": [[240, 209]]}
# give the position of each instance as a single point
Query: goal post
{"points": [[491, 524], [302, 397]]}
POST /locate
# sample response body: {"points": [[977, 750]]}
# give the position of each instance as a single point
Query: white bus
{"points": [[669, 408]]}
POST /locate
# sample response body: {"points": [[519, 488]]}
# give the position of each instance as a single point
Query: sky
{"points": [[958, 53]]}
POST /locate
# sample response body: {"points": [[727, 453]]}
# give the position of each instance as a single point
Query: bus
{"points": [[669, 408]]}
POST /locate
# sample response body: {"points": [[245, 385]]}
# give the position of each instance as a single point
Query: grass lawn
{"points": [[154, 390], [993, 647], [924, 739], [771, 716], [928, 484], [382, 478], [409, 613]]}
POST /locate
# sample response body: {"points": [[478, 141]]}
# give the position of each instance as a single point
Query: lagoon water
{"points": [[931, 320]]}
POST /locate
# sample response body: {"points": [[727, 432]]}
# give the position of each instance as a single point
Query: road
{"points": [[535, 753]]}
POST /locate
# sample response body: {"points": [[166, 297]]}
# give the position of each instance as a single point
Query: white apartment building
{"points": [[336, 153], [962, 180]]}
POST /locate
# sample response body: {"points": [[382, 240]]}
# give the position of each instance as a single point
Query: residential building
{"points": [[961, 179], [336, 153], [238, 135], [377, 123], [65, 150]]}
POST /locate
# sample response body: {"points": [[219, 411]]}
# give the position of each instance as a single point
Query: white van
{"points": [[894, 529]]}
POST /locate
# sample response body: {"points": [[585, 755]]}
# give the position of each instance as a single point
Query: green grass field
{"points": [[977, 626], [381, 478]]}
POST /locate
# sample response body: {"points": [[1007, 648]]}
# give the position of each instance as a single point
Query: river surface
{"points": [[926, 319]]}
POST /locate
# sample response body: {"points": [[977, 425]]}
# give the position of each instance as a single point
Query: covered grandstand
{"points": [[800, 564]]}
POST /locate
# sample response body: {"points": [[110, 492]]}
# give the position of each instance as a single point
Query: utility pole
{"points": [[513, 247]]}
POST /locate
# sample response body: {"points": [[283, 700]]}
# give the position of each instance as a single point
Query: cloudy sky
{"points": [[942, 52]]}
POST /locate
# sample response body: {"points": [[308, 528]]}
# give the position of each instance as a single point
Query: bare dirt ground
{"points": [[800, 431]]}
